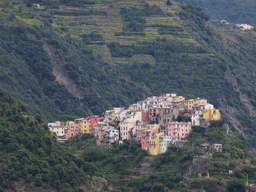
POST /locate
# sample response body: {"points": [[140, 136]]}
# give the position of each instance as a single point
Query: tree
{"points": [[216, 123], [198, 129], [168, 3], [66, 118], [189, 96], [183, 119], [236, 187]]}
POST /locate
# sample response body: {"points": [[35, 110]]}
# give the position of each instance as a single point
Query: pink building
{"points": [[144, 137], [94, 121], [125, 127], [179, 130], [71, 131], [144, 115]]}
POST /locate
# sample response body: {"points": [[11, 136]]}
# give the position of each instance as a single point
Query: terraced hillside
{"points": [[81, 57]]}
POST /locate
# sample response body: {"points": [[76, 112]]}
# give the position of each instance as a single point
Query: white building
{"points": [[107, 116], [166, 142], [197, 118], [246, 26], [112, 133]]}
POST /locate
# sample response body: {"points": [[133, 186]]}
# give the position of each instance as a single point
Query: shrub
{"points": [[168, 3], [235, 186]]}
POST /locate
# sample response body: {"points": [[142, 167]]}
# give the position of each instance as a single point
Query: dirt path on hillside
{"points": [[146, 168]]}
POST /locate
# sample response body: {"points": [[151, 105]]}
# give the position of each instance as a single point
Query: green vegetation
{"points": [[177, 169], [67, 118], [134, 17], [83, 57], [215, 10], [29, 152], [189, 96]]}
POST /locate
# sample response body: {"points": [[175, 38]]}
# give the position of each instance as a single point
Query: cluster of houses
{"points": [[152, 122], [240, 26], [244, 26]]}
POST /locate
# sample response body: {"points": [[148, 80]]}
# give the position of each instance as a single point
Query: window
{"points": [[57, 131], [143, 142]]}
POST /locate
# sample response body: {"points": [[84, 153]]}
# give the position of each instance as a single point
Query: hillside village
{"points": [[156, 123]]}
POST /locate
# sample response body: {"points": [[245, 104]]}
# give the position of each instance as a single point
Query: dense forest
{"points": [[84, 57]]}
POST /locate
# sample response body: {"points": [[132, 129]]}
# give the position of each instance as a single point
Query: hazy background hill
{"points": [[83, 57], [233, 11]]}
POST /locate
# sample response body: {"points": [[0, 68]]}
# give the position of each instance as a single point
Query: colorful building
{"points": [[71, 131], [166, 142], [125, 128], [188, 104], [83, 125], [210, 113], [179, 130], [155, 143], [114, 111], [155, 127], [93, 121], [144, 115], [198, 118], [58, 130], [143, 137]]}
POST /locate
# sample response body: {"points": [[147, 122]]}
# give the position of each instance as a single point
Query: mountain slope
{"points": [[31, 158], [83, 57], [234, 11]]}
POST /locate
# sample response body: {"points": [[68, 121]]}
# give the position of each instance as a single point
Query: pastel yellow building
{"points": [[153, 127], [112, 114], [84, 125], [201, 101], [63, 123], [211, 114], [131, 108], [155, 143]]}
